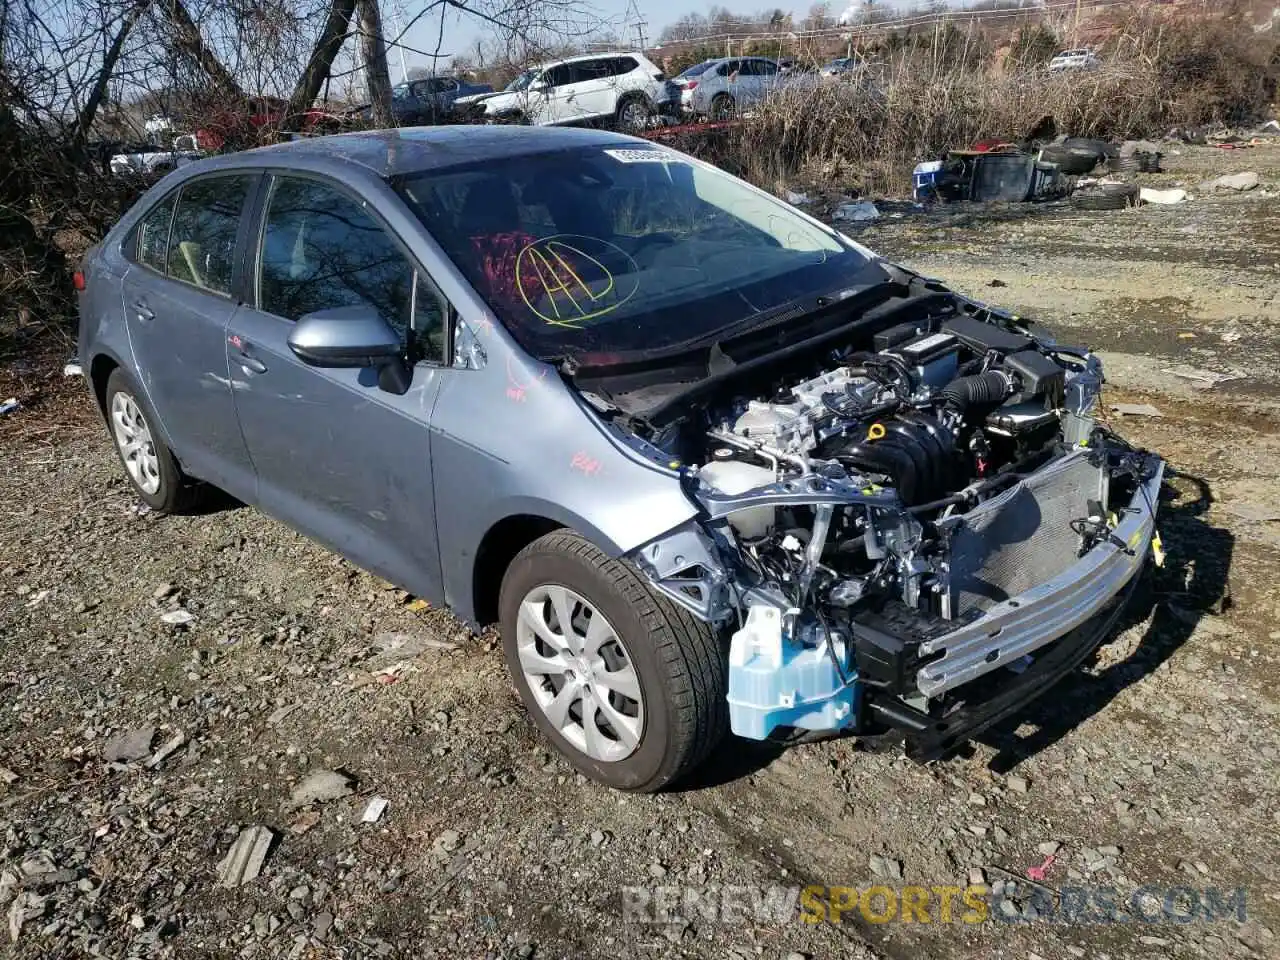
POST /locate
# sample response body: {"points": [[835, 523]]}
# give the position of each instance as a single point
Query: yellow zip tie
{"points": [[1157, 549]]}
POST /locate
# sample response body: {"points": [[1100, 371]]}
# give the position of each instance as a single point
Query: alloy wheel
{"points": [[634, 115], [580, 673], [133, 438]]}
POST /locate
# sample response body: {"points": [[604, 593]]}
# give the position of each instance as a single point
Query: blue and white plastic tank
{"points": [[923, 179], [776, 681]]}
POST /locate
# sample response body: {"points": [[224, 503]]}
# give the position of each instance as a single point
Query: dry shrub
{"points": [[870, 135]]}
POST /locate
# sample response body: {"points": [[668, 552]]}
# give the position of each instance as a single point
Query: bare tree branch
{"points": [[374, 53], [320, 64]]}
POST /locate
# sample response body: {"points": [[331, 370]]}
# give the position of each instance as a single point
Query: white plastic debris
{"points": [[73, 370], [9, 406], [860, 211], [177, 618], [374, 811], [1164, 197], [797, 199]]}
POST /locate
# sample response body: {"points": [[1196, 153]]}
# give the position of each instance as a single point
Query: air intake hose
{"points": [[981, 389]]}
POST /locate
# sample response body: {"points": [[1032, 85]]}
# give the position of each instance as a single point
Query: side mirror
{"points": [[352, 337], [355, 336]]}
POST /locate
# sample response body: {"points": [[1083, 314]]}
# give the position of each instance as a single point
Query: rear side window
{"points": [[202, 243], [151, 236], [623, 65], [321, 249]]}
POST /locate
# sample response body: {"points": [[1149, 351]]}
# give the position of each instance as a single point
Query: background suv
{"points": [[598, 86]]}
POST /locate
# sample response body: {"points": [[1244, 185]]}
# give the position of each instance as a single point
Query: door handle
{"points": [[143, 312], [244, 356], [251, 364]]}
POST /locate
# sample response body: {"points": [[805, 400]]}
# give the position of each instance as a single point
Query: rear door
{"points": [[338, 458], [766, 77], [178, 302]]}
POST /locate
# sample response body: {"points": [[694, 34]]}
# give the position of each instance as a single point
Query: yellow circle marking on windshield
{"points": [[571, 280]]}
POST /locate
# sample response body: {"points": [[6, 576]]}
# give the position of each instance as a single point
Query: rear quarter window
{"points": [[148, 242]]}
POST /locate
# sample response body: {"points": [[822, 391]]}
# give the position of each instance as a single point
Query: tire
{"points": [[633, 114], [1070, 161], [150, 465], [677, 665], [722, 107], [1112, 196]]}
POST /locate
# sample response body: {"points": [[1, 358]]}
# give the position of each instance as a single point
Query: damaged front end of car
{"points": [[918, 537]]}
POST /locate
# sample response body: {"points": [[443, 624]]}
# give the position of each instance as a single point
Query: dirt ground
{"points": [[1155, 766]]}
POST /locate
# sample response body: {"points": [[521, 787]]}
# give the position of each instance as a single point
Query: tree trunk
{"points": [[373, 51], [320, 62], [99, 91], [187, 39]]}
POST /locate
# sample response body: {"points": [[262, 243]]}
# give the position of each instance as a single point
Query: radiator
{"points": [[1023, 537]]}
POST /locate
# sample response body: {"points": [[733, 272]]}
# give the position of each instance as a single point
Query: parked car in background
{"points": [[1078, 59], [239, 123], [157, 160], [671, 100], [708, 463], [732, 84], [622, 88], [427, 100], [842, 67]]}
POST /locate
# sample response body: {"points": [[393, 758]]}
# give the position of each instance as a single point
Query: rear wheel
{"points": [[628, 686], [723, 107], [148, 463]]}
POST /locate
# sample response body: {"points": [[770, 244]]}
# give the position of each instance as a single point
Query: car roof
{"points": [[588, 56], [390, 153]]}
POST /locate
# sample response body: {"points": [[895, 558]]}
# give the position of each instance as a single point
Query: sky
{"points": [[460, 34]]}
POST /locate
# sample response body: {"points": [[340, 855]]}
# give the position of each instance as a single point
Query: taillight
{"points": [[77, 280], [690, 84]]}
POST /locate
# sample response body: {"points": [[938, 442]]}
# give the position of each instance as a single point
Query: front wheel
{"points": [[723, 107], [628, 686]]}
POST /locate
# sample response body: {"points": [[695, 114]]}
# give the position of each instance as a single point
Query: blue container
{"points": [[775, 681], [924, 178]]}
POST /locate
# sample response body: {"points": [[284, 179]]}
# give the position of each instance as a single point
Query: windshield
{"points": [[600, 250], [698, 69], [522, 81]]}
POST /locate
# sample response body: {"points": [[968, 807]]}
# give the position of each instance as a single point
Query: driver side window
{"points": [[322, 248]]}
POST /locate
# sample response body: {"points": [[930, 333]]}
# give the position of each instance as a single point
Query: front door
{"points": [[178, 302], [340, 459]]}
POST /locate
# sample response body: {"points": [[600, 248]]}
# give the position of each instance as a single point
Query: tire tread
{"points": [[688, 648]]}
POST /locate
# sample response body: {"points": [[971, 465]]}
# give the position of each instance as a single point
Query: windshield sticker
{"points": [[566, 279], [642, 155]]}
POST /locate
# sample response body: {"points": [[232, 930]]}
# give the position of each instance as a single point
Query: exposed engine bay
{"points": [[861, 515]]}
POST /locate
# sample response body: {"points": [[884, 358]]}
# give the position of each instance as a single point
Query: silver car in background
{"points": [[709, 464]]}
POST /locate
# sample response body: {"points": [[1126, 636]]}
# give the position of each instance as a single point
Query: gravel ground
{"points": [[168, 684]]}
